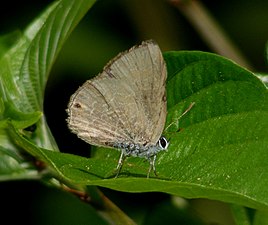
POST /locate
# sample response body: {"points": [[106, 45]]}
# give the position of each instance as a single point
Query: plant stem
{"points": [[105, 207], [210, 30]]}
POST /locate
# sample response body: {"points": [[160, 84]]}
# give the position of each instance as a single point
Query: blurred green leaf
{"points": [[14, 167], [24, 71], [261, 218], [7, 41]]}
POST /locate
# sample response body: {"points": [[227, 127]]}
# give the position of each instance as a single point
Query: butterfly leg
{"points": [[120, 163], [152, 166]]}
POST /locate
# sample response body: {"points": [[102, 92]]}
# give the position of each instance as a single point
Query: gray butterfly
{"points": [[124, 107]]}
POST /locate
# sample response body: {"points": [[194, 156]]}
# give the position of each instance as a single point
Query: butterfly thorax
{"points": [[142, 151]]}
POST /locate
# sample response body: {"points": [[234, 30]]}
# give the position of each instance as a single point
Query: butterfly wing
{"points": [[125, 103]]}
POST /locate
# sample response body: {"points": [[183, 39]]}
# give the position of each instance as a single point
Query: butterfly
{"points": [[124, 107]]}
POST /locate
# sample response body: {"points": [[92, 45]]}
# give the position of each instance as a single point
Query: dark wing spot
{"points": [[164, 98], [77, 105]]}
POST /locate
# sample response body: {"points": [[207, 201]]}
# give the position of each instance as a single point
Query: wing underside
{"points": [[125, 103]]}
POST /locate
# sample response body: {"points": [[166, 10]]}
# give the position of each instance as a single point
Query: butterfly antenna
{"points": [[186, 111]]}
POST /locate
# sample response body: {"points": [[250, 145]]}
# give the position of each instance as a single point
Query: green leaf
{"points": [[24, 70], [7, 41], [263, 77], [261, 218], [12, 72], [11, 167], [220, 151], [26, 66], [19, 119]]}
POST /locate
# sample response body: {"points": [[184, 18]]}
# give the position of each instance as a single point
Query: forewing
{"points": [[142, 73], [125, 103], [91, 118]]}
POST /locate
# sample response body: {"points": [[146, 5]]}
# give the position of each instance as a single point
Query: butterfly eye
{"points": [[163, 143]]}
